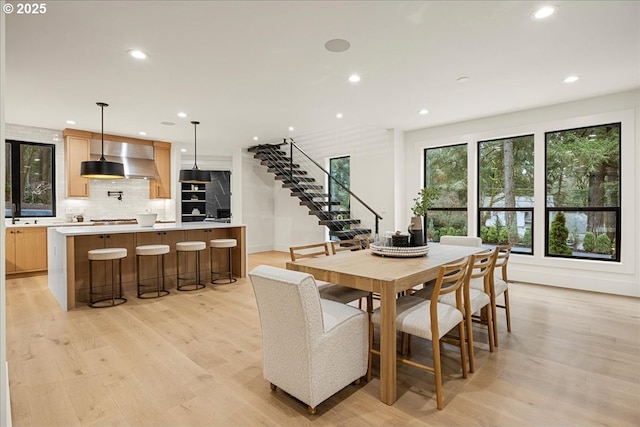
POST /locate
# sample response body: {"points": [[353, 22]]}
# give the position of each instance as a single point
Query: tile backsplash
{"points": [[135, 192]]}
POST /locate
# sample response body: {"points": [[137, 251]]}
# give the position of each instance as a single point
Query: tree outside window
{"points": [[583, 184], [446, 170], [505, 204]]}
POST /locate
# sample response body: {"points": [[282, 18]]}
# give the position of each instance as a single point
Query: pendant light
{"points": [[102, 169], [195, 175]]}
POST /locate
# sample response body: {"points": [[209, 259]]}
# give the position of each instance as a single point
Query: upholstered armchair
{"points": [[312, 347]]}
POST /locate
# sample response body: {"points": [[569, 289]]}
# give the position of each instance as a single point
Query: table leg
{"points": [[387, 343]]}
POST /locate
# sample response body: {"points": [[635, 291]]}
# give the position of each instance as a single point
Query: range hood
{"points": [[136, 158]]}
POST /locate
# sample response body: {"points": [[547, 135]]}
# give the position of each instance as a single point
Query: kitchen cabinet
{"points": [[194, 202], [161, 238], [161, 188], [83, 244], [76, 150], [26, 249]]}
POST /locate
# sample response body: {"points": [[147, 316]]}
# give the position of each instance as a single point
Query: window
{"points": [[30, 184], [583, 192], [505, 192], [446, 169], [340, 169]]}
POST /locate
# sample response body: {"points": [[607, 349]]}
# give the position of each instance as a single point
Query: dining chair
{"points": [[476, 299], [354, 244], [312, 347], [461, 241], [499, 286], [432, 320], [328, 290]]}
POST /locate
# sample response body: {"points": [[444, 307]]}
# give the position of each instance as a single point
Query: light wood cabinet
{"points": [[161, 188], [26, 249], [76, 151]]}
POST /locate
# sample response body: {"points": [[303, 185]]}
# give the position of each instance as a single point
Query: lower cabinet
{"points": [[161, 238], [83, 244], [26, 249]]}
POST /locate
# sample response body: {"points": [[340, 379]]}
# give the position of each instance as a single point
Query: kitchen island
{"points": [[69, 265]]}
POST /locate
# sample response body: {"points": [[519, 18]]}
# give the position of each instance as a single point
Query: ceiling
{"points": [[254, 68]]}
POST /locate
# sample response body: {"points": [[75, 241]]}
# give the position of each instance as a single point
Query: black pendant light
{"points": [[195, 175], [102, 169]]}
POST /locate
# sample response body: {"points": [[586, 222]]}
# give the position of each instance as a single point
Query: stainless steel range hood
{"points": [[136, 158]]}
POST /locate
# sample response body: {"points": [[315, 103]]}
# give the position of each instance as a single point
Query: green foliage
{"points": [[446, 169], [558, 235], [526, 238], [589, 242], [484, 233], [492, 234], [340, 169], [426, 197], [603, 244], [503, 236]]}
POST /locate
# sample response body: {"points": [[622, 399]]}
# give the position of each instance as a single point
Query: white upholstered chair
{"points": [[312, 347], [432, 320], [461, 241]]}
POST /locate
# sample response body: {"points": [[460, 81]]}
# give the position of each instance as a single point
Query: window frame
{"points": [[15, 167], [617, 209]]}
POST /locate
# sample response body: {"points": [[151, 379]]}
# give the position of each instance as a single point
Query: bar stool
{"points": [[186, 248], [109, 299], [150, 291], [227, 276]]}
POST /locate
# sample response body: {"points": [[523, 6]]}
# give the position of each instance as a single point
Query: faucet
{"points": [[13, 213]]}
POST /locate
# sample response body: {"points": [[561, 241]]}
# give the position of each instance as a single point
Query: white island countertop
{"points": [[136, 228]]}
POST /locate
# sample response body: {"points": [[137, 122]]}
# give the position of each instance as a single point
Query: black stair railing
{"points": [[295, 154]]}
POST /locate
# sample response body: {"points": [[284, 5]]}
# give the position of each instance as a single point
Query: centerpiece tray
{"points": [[399, 251]]}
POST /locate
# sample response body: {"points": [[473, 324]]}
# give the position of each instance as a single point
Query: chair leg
{"points": [[437, 370], [312, 411], [494, 319], [506, 308], [490, 331], [369, 356], [463, 349], [472, 364]]}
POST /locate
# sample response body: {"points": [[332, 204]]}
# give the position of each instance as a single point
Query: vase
{"points": [[416, 234]]}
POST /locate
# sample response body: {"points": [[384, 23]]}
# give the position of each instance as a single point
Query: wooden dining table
{"points": [[387, 276]]}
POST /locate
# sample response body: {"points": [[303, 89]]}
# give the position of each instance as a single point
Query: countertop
{"points": [[135, 228]]}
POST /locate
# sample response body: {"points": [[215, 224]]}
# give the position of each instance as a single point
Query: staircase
{"points": [[311, 193]]}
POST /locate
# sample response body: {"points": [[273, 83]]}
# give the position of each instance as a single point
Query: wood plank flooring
{"points": [[195, 359]]}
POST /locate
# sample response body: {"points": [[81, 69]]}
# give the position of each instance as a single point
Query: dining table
{"points": [[387, 276]]}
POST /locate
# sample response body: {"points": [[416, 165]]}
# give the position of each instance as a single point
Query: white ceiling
{"points": [[254, 68]]}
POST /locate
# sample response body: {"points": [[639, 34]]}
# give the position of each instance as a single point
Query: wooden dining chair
{"points": [[431, 320], [327, 290], [499, 286], [355, 244]]}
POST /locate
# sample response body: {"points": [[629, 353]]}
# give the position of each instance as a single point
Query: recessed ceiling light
{"points": [[291, 129], [138, 54], [423, 111], [183, 150], [142, 133], [337, 45], [463, 79], [339, 115], [571, 79], [544, 12], [354, 78], [255, 138], [71, 122], [182, 115], [167, 123]]}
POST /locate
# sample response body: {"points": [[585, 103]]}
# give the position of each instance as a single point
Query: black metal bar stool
{"points": [[218, 277], [111, 298], [186, 248], [157, 289]]}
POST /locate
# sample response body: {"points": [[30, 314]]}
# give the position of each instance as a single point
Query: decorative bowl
{"points": [[146, 219]]}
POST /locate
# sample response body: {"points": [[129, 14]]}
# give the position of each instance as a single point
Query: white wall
{"points": [[617, 278], [258, 204]]}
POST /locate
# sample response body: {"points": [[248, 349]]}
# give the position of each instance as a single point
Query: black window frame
{"points": [[617, 210], [16, 197]]}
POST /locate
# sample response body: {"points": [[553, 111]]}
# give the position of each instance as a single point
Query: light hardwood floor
{"points": [[194, 359]]}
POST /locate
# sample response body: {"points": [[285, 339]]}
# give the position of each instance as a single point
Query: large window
{"points": [[29, 180], [446, 169], [583, 192], [340, 168], [505, 196]]}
